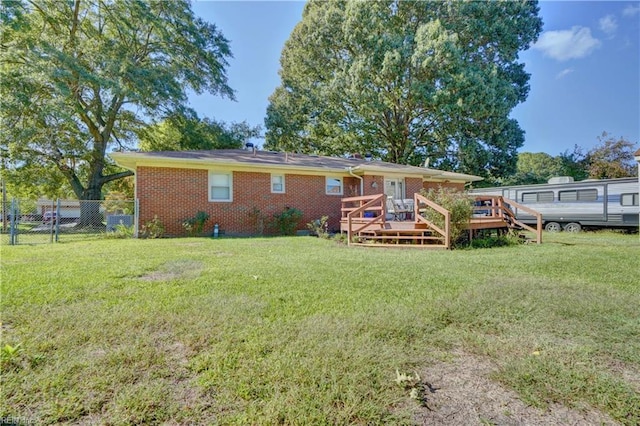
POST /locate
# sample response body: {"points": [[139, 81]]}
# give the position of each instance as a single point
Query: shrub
{"points": [[340, 238], [489, 241], [287, 221], [120, 231], [153, 228], [195, 225], [460, 206], [320, 227]]}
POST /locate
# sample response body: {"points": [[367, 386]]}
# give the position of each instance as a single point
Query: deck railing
{"points": [[367, 211], [501, 208], [420, 206], [367, 215]]}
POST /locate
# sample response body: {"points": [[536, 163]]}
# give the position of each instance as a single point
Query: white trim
{"points": [[396, 181], [210, 185], [280, 175], [326, 185]]}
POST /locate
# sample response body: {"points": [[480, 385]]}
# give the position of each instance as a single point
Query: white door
{"points": [[394, 188]]}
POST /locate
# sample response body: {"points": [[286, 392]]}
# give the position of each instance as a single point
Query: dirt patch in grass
{"points": [[174, 270], [628, 373], [462, 393]]}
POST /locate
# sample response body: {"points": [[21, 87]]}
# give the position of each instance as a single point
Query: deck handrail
{"points": [[501, 207], [374, 201], [538, 215], [446, 232]]}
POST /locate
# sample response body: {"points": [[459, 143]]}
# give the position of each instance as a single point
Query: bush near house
{"points": [[459, 204], [286, 222]]}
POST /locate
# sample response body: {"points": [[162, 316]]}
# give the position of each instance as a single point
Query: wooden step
{"points": [[421, 246]]}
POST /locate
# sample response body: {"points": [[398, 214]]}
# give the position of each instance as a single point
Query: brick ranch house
{"points": [[231, 185]]}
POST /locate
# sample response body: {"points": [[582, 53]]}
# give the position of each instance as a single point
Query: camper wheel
{"points": [[552, 227], [572, 227]]}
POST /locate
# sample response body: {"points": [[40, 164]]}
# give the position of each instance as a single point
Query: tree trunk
{"points": [[90, 214]]}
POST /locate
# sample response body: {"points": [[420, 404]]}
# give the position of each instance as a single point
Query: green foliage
{"points": [[340, 238], [574, 163], [80, 79], [460, 206], [186, 131], [121, 231], [491, 241], [406, 81], [195, 225], [287, 221], [153, 229], [118, 203], [612, 158], [124, 188], [533, 168], [9, 356], [319, 227]]}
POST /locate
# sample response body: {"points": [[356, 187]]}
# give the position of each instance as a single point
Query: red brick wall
{"points": [[412, 185], [369, 180], [178, 194]]}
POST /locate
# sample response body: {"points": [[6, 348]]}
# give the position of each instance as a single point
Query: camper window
{"points": [[629, 199], [579, 195], [537, 197]]}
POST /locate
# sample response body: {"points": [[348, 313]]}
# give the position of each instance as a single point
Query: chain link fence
{"points": [[47, 221]]}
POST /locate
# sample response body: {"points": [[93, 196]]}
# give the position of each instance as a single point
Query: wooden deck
{"points": [[364, 219]]}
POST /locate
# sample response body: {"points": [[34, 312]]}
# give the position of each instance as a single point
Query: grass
{"points": [[301, 330]]}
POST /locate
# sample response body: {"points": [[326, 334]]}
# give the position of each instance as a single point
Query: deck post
{"points": [[539, 229]]}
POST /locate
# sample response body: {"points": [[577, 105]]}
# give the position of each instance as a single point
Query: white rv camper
{"points": [[570, 206]]}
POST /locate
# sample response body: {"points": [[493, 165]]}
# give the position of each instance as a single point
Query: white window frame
{"points": [[333, 178], [398, 185], [633, 198], [229, 175], [274, 175]]}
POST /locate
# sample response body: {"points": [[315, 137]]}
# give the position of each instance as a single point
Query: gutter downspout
{"points": [[350, 170]]}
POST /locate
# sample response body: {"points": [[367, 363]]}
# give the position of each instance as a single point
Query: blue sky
{"points": [[585, 69]]}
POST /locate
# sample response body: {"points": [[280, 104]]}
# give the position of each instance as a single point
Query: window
{"points": [[394, 188], [579, 195], [537, 197], [629, 199], [334, 186], [277, 184], [220, 186]]}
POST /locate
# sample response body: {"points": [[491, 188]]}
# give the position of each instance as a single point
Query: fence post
{"points": [[136, 216], [58, 219], [13, 231]]}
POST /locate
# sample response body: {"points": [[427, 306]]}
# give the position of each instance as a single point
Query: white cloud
{"points": [[631, 10], [567, 44], [608, 24], [565, 72]]}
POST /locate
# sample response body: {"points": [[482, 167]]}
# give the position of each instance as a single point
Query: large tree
{"points": [[80, 78], [535, 167], [612, 158], [186, 131], [406, 81]]}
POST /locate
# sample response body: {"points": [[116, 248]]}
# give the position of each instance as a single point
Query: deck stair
{"points": [[494, 213]]}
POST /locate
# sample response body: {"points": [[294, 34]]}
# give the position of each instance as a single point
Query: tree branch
{"points": [[116, 176]]}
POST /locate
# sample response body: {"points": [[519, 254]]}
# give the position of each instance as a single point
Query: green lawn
{"points": [[301, 330]]}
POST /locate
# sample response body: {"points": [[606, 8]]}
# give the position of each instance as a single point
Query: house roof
{"points": [[249, 159]]}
